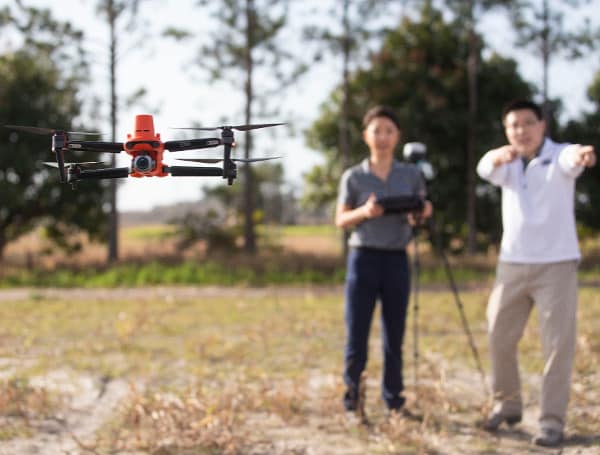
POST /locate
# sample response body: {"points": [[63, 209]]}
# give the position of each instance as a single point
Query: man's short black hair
{"points": [[519, 104], [380, 111]]}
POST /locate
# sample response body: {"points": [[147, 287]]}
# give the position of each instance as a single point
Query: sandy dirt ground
{"points": [[92, 401]]}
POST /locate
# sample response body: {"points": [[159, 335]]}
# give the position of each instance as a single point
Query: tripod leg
{"points": [[459, 304], [416, 272]]}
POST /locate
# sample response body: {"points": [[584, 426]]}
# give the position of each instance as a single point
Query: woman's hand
{"points": [[417, 218], [347, 217], [371, 209]]}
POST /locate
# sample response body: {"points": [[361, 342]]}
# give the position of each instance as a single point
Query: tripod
{"points": [[435, 234]]}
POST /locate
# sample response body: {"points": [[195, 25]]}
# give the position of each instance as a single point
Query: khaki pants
{"points": [[553, 289]]}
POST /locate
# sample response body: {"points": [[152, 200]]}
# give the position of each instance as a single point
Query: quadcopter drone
{"points": [[146, 150]]}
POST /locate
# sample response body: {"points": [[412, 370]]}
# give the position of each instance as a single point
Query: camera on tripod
{"points": [[415, 153]]}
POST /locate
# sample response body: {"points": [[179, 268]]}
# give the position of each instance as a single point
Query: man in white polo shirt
{"points": [[538, 260]]}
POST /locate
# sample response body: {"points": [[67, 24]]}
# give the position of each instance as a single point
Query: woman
{"points": [[377, 264]]}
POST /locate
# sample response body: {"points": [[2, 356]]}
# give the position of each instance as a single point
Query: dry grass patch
{"points": [[20, 403], [259, 372]]}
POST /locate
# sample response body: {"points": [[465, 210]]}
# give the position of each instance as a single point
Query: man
{"points": [[538, 260]]}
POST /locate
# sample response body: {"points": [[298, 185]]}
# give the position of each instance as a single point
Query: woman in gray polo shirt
{"points": [[377, 265]]}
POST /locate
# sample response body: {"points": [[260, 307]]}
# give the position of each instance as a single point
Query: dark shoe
{"points": [[548, 437], [350, 400], [496, 419], [396, 404]]}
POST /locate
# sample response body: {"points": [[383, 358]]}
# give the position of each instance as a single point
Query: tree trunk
{"points": [[344, 138], [113, 228], [2, 245], [545, 63], [472, 70], [249, 234]]}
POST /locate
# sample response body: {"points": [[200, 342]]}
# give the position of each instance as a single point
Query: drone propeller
{"points": [[83, 163], [232, 127], [201, 160], [39, 130], [218, 160]]}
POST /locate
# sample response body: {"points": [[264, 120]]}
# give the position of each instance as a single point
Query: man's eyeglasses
{"points": [[526, 124]]}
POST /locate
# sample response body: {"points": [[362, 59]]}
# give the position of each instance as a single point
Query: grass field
{"points": [[177, 353], [253, 371]]}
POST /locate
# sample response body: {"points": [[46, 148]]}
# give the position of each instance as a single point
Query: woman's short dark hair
{"points": [[380, 111], [519, 104]]}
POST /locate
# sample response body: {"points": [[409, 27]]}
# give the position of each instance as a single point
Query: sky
{"points": [[180, 95]]}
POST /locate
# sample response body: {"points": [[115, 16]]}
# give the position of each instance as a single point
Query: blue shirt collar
{"points": [[365, 165]]}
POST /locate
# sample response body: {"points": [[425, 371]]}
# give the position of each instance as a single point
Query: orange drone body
{"points": [[146, 150], [145, 146]]}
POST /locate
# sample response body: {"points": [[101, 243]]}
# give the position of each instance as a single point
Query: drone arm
{"points": [[192, 144], [194, 171], [96, 146], [108, 173]]}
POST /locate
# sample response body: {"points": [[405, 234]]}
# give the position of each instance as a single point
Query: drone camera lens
{"points": [[143, 163]]}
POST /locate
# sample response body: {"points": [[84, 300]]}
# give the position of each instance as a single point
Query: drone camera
{"points": [[143, 163]]}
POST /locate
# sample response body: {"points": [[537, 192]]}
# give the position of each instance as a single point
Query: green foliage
{"points": [[209, 272], [48, 38], [176, 33], [540, 26], [269, 197], [420, 70], [248, 29], [247, 50], [354, 27], [34, 92], [230, 270], [585, 131], [209, 227], [323, 136]]}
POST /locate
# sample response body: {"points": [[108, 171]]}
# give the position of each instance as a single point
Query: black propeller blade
{"points": [[201, 160], [233, 127], [218, 160], [39, 130], [83, 164]]}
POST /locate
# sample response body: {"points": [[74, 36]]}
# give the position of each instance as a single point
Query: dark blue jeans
{"points": [[373, 274]]}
